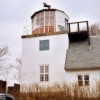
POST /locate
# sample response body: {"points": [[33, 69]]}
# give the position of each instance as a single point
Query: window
{"points": [[49, 16], [83, 80], [49, 21], [80, 80], [44, 73], [40, 19], [44, 45], [86, 80]]}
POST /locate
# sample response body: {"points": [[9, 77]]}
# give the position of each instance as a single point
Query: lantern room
{"points": [[49, 21]]}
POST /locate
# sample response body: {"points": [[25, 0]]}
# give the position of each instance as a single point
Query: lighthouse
{"points": [[44, 51], [49, 21], [56, 51]]}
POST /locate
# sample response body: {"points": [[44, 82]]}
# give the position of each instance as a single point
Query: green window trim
{"points": [[44, 45]]}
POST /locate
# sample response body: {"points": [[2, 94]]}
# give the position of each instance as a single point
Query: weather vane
{"points": [[46, 5]]}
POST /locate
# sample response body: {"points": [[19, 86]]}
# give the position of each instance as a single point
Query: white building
{"points": [[50, 55]]}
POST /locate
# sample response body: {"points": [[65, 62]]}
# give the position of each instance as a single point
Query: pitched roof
{"points": [[81, 56]]}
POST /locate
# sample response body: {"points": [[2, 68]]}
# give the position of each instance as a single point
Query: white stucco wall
{"points": [[94, 76], [32, 58]]}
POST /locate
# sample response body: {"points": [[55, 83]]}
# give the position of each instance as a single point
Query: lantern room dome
{"points": [[49, 20]]}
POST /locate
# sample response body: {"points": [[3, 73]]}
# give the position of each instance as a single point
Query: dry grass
{"points": [[59, 92]]}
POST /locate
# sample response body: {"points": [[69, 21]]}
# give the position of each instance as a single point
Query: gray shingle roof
{"points": [[81, 56]]}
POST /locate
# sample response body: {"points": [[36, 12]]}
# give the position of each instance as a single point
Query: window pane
{"points": [[86, 77], [86, 83], [38, 15], [47, 23], [41, 77], [52, 18], [80, 80], [46, 69], [47, 18], [41, 23], [42, 29], [80, 83], [46, 13], [37, 19], [41, 69], [38, 24], [52, 13], [44, 44], [79, 77], [51, 23], [46, 77], [42, 19], [86, 80], [42, 14]]}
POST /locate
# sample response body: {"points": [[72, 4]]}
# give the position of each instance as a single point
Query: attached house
{"points": [[83, 62], [53, 53]]}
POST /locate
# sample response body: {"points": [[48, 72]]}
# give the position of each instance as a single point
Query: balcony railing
{"points": [[78, 31]]}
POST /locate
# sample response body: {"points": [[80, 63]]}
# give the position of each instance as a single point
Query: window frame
{"points": [[40, 19], [83, 81], [44, 45], [86, 81], [80, 81], [44, 73]]}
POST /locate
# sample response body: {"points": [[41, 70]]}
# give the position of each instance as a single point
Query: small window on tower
{"points": [[44, 45], [44, 73]]}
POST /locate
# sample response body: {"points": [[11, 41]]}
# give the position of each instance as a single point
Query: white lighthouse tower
{"points": [[44, 51]]}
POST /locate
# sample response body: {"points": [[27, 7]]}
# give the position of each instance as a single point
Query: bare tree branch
{"points": [[94, 29], [4, 56], [17, 67]]}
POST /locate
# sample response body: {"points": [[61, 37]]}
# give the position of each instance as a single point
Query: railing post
{"points": [[69, 27], [88, 33], [78, 26]]}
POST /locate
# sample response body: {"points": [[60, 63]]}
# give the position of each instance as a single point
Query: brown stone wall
{"points": [[3, 86]]}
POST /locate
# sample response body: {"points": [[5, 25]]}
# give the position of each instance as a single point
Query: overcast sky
{"points": [[15, 14]]}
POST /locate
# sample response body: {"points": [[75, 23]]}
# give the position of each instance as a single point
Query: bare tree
{"points": [[4, 55], [94, 29], [16, 67]]}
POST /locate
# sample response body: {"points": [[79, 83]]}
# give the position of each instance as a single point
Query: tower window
{"points": [[44, 73], [44, 45]]}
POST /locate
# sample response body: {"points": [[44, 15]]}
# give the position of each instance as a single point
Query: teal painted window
{"points": [[44, 45]]}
